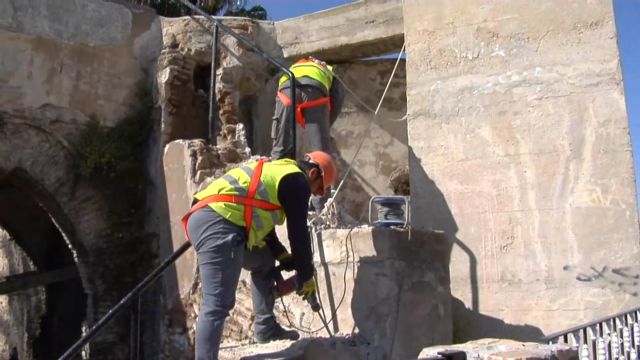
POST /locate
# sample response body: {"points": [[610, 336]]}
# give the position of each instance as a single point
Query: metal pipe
{"points": [[257, 50], [213, 104], [73, 350], [292, 86]]}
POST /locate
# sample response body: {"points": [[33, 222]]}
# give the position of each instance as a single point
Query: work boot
{"points": [[279, 333]]}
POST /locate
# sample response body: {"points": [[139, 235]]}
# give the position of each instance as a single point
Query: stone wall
{"points": [[62, 65], [520, 143], [184, 73]]}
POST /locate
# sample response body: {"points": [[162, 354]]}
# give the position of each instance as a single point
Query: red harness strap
{"points": [[249, 201], [286, 101]]}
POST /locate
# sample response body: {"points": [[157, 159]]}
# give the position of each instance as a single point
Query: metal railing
{"points": [[613, 337], [127, 303], [131, 301]]}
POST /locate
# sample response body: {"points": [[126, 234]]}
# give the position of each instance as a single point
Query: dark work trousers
{"points": [[259, 262], [220, 247], [317, 132], [315, 136]]}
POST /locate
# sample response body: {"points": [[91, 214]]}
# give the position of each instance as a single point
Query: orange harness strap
{"points": [[248, 201], [286, 101]]}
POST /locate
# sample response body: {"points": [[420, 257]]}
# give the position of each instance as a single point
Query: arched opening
{"points": [[32, 223]]}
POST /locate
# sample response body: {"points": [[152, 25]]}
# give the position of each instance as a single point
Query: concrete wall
{"points": [[344, 33], [52, 53], [520, 155]]}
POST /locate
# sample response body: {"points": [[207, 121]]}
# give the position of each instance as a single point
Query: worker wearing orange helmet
{"points": [[233, 225], [319, 100]]}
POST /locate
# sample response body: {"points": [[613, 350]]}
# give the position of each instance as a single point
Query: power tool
{"points": [[284, 287]]}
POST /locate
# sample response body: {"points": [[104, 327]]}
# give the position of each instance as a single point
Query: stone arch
{"points": [[54, 216], [41, 236]]}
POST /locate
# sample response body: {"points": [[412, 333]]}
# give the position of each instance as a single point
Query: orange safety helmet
{"points": [[327, 166]]}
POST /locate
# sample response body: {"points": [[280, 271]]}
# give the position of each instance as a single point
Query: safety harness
{"points": [[286, 101], [248, 201]]}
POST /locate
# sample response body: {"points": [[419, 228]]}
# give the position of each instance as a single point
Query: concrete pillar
{"points": [[519, 140]]}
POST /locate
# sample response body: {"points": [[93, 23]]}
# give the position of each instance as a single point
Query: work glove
{"points": [[307, 289], [286, 261]]}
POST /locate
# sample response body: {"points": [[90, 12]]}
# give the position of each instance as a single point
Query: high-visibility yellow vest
{"points": [[236, 182], [311, 69]]}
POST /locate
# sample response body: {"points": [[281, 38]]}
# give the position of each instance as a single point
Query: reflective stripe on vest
{"points": [[310, 69], [286, 101], [236, 183], [249, 202]]}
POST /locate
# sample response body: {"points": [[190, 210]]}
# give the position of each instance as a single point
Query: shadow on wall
{"points": [[430, 212], [469, 325], [434, 216]]}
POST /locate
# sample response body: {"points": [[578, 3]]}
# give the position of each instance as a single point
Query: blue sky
{"points": [[627, 13]]}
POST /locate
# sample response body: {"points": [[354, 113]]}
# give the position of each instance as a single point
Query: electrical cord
{"points": [[348, 239]]}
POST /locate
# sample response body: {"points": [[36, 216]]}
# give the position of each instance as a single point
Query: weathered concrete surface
{"points": [[51, 53], [360, 29], [500, 349], [519, 140]]}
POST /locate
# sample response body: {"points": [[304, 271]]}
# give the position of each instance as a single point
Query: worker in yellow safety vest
{"points": [[232, 225], [318, 102]]}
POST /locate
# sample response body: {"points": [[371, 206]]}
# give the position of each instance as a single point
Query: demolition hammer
{"points": [[285, 287]]}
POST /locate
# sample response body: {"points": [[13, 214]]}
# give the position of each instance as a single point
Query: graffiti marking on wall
{"points": [[623, 278]]}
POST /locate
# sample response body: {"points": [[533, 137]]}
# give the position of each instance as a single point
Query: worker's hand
{"points": [[307, 289], [286, 261]]}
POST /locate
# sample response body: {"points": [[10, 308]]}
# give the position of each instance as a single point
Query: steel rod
{"points": [[213, 105]]}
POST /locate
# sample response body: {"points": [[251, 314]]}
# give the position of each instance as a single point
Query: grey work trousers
{"points": [[316, 135], [221, 250]]}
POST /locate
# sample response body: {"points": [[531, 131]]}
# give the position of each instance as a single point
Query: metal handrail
{"points": [[612, 337], [557, 334], [125, 302]]}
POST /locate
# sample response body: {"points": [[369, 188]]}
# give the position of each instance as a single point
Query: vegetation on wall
{"points": [[173, 8], [116, 152], [113, 161]]}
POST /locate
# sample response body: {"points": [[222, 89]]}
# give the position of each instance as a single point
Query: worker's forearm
{"points": [[275, 246]]}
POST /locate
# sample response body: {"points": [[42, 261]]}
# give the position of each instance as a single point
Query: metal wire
{"points": [[367, 131]]}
